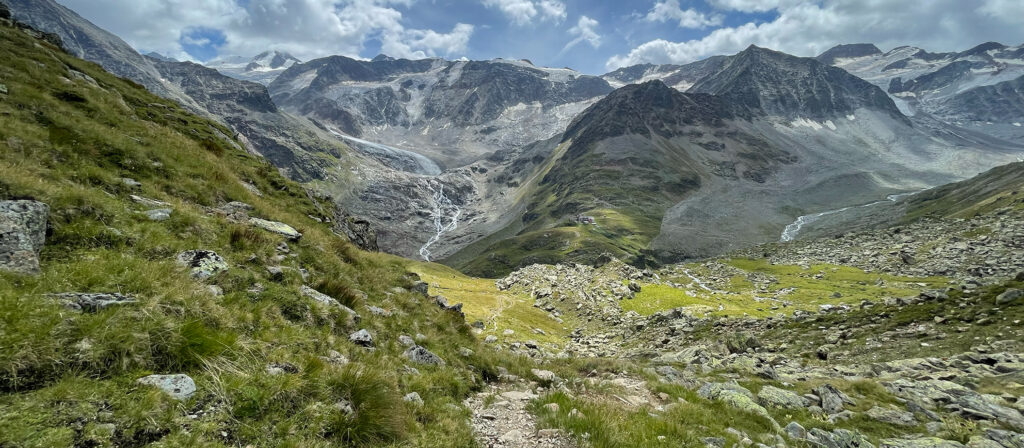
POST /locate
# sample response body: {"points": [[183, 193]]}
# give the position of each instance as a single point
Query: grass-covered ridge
{"points": [[69, 133]]}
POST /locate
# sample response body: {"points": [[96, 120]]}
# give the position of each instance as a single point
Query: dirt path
{"points": [[500, 419]]}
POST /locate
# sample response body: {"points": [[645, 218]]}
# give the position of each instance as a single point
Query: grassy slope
{"points": [[63, 375], [498, 310], [999, 187]]}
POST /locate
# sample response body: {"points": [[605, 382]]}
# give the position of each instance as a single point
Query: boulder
{"points": [[839, 438], [1009, 296], [361, 338], [892, 416], [179, 387], [546, 376], [158, 214], [279, 228], [421, 355], [773, 397], [1007, 439], [202, 264], [927, 442], [22, 234], [795, 431], [832, 399]]}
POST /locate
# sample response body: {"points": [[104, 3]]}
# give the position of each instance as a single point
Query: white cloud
{"points": [[669, 10], [523, 12], [1009, 11], [305, 28], [809, 27], [418, 44], [746, 5], [584, 31]]}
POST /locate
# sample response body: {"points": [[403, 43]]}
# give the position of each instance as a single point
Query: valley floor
{"points": [[904, 337]]}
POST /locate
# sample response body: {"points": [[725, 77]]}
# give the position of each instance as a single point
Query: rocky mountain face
{"points": [[296, 147], [87, 41], [246, 107], [788, 86], [846, 51], [954, 87], [679, 77], [756, 142], [262, 68], [455, 112]]}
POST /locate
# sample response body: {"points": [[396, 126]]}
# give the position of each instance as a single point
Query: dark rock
{"points": [[421, 355], [358, 231]]}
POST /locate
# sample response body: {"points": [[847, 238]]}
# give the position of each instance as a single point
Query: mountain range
{"points": [[756, 249], [489, 165]]}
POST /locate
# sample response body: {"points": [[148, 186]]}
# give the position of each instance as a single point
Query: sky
{"points": [[592, 36]]}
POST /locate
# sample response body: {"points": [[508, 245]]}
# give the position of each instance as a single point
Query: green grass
{"points": [[803, 289], [498, 310], [65, 375]]}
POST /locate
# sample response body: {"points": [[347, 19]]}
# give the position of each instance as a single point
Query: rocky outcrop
{"points": [[202, 264], [359, 232], [22, 234]]}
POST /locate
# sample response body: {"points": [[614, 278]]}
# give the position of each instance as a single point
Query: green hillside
{"points": [[272, 366]]}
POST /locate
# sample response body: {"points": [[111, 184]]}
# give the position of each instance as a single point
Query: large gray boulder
{"points": [[22, 234], [179, 387], [1009, 296], [773, 397]]}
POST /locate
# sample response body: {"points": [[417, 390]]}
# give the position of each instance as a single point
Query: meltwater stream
{"points": [[445, 214], [791, 231]]}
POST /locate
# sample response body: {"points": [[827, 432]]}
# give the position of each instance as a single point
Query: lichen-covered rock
{"points": [[421, 355], [773, 397], [158, 214], [329, 301], [928, 442], [22, 234], [279, 228], [839, 438], [92, 302], [202, 264], [179, 387], [1007, 439], [746, 404], [892, 416]]}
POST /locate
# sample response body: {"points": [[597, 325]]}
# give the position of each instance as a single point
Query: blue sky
{"points": [[593, 36]]}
